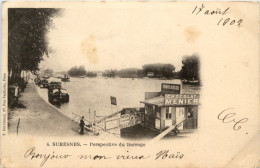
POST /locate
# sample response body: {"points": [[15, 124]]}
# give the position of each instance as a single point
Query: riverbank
{"points": [[39, 118]]}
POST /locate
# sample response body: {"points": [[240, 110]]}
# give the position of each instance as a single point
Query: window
{"points": [[158, 114], [149, 109], [190, 112], [168, 113], [153, 110], [158, 111], [190, 115]]}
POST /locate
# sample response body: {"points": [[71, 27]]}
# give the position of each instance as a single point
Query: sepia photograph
{"points": [[130, 84], [106, 89]]}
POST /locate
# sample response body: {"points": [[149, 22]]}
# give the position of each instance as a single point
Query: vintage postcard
{"points": [[130, 84]]}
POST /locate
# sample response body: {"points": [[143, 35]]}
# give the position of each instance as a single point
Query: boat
{"points": [[54, 85], [65, 78], [191, 82], [46, 77], [58, 95], [37, 81], [44, 83]]}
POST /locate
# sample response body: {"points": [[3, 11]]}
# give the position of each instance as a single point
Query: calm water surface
{"points": [[94, 94]]}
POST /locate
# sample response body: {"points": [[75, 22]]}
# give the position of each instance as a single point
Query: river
{"points": [[94, 94]]}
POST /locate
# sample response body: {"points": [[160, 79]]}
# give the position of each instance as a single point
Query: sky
{"points": [[118, 36]]}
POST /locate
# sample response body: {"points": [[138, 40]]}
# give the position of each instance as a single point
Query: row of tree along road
{"points": [[27, 44]]}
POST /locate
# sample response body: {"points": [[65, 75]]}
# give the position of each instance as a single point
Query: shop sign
{"points": [[181, 99], [170, 88]]}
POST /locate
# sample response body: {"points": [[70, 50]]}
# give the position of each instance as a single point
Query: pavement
{"points": [[39, 118]]}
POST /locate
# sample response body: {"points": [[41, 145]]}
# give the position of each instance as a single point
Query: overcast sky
{"points": [[116, 37]]}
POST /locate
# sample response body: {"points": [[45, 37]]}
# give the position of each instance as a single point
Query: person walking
{"points": [[16, 94], [82, 124]]}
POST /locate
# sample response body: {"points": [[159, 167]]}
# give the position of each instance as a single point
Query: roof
{"points": [[159, 101]]}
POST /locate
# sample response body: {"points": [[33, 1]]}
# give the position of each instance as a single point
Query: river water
{"points": [[94, 94]]}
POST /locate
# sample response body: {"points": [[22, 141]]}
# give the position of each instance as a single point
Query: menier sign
{"points": [[181, 99], [170, 88]]}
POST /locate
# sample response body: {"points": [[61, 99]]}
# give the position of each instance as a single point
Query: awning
{"points": [[158, 101]]}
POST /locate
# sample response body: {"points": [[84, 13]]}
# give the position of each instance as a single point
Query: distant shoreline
{"points": [[123, 77]]}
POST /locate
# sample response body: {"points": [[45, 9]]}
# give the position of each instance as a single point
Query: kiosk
{"points": [[168, 107]]}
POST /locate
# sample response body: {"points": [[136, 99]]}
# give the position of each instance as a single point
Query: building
{"points": [[150, 74], [99, 74], [169, 107]]}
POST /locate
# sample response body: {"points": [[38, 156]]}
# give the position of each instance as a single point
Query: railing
{"points": [[77, 117], [120, 119]]}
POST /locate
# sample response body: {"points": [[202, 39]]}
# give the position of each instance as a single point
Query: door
{"points": [[168, 117], [191, 120], [180, 117], [157, 123]]}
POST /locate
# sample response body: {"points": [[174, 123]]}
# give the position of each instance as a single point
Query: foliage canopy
{"points": [[27, 42]]}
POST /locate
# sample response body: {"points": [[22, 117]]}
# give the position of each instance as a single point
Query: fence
{"points": [[126, 117]]}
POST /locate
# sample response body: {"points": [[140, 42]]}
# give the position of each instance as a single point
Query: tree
{"points": [[159, 70], [91, 74], [128, 73], [191, 68], [110, 73], [77, 71], [27, 42], [48, 72], [81, 71]]}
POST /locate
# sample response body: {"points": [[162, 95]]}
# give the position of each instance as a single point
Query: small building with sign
{"points": [[150, 74], [170, 107]]}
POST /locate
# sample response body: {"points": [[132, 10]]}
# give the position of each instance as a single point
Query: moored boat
{"points": [[46, 77], [60, 95], [65, 78]]}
